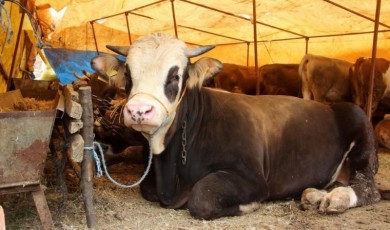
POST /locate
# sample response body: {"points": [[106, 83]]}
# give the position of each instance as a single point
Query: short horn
{"points": [[122, 50], [193, 52]]}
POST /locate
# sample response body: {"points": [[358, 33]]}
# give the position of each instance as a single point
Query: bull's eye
{"points": [[173, 75], [172, 83], [177, 77]]}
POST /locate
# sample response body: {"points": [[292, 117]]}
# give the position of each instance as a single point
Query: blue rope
{"points": [[97, 160], [99, 164]]}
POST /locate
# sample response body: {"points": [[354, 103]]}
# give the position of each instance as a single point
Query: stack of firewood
{"points": [[73, 123]]}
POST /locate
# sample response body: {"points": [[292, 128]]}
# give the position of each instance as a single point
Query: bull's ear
{"points": [[201, 70], [193, 52], [122, 50]]}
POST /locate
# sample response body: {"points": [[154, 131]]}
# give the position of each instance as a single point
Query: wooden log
{"points": [[88, 161], [73, 125], [76, 148], [72, 107]]}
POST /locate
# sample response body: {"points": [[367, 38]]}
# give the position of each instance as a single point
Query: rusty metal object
{"points": [[25, 138]]}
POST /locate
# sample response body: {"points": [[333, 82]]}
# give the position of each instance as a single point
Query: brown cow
{"points": [[280, 79], [325, 79], [235, 78], [360, 74], [274, 79]]}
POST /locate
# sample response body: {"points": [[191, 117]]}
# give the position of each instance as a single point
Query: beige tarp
{"points": [[224, 22]]}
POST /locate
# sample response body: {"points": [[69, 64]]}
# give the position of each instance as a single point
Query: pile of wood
{"points": [[73, 123]]}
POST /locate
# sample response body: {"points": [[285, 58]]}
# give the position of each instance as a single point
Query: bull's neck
{"points": [[190, 110]]}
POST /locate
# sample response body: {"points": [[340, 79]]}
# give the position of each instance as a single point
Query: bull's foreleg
{"points": [[224, 194]]}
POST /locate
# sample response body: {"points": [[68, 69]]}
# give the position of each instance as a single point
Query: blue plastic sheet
{"points": [[65, 62]]}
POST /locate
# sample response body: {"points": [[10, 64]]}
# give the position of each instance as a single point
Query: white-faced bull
{"points": [[221, 154]]}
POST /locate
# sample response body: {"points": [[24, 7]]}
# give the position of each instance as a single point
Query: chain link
{"points": [[183, 144]]}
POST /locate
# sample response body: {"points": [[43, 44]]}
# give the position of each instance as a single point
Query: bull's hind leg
{"points": [[224, 194], [359, 189]]}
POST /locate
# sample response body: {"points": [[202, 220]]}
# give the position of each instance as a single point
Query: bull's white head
{"points": [[158, 74]]}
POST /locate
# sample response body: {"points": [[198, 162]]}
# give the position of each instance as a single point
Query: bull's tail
{"points": [[303, 73], [303, 65]]}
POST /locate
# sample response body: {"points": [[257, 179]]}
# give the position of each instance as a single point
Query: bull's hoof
{"points": [[337, 201], [311, 198]]}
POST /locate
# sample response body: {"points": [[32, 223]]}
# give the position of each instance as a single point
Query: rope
{"points": [[33, 22], [100, 173]]}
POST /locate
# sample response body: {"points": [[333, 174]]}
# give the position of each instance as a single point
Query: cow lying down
{"points": [[222, 154]]}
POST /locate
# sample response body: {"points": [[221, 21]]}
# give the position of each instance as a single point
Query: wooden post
{"points": [[42, 209], [87, 164]]}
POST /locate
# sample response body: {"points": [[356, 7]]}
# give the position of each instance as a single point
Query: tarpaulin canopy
{"points": [[285, 29]]}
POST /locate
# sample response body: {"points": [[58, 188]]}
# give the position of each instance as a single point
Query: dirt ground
{"points": [[118, 208]]}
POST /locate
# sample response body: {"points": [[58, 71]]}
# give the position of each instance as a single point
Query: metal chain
{"points": [[184, 143]]}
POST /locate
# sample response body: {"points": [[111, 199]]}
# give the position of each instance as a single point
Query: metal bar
{"points": [[355, 12], [247, 53], [233, 43], [129, 11], [319, 36], [21, 184], [307, 45], [128, 27], [174, 17], [374, 46], [241, 17], [20, 189], [207, 32], [255, 48], [94, 37], [15, 54]]}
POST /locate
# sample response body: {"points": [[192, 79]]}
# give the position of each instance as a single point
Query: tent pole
{"points": [[374, 47], [174, 17], [94, 37], [128, 26], [307, 45], [247, 54], [255, 46]]}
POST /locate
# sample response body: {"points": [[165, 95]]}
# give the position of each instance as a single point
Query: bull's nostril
{"points": [[149, 110]]}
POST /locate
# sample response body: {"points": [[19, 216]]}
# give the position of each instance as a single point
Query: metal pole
{"points": [[174, 17], [94, 37], [255, 46], [128, 27], [374, 45], [307, 45], [247, 54]]}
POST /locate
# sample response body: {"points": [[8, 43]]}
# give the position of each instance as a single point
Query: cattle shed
{"points": [[44, 44]]}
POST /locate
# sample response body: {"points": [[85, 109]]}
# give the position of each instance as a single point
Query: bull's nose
{"points": [[139, 113]]}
